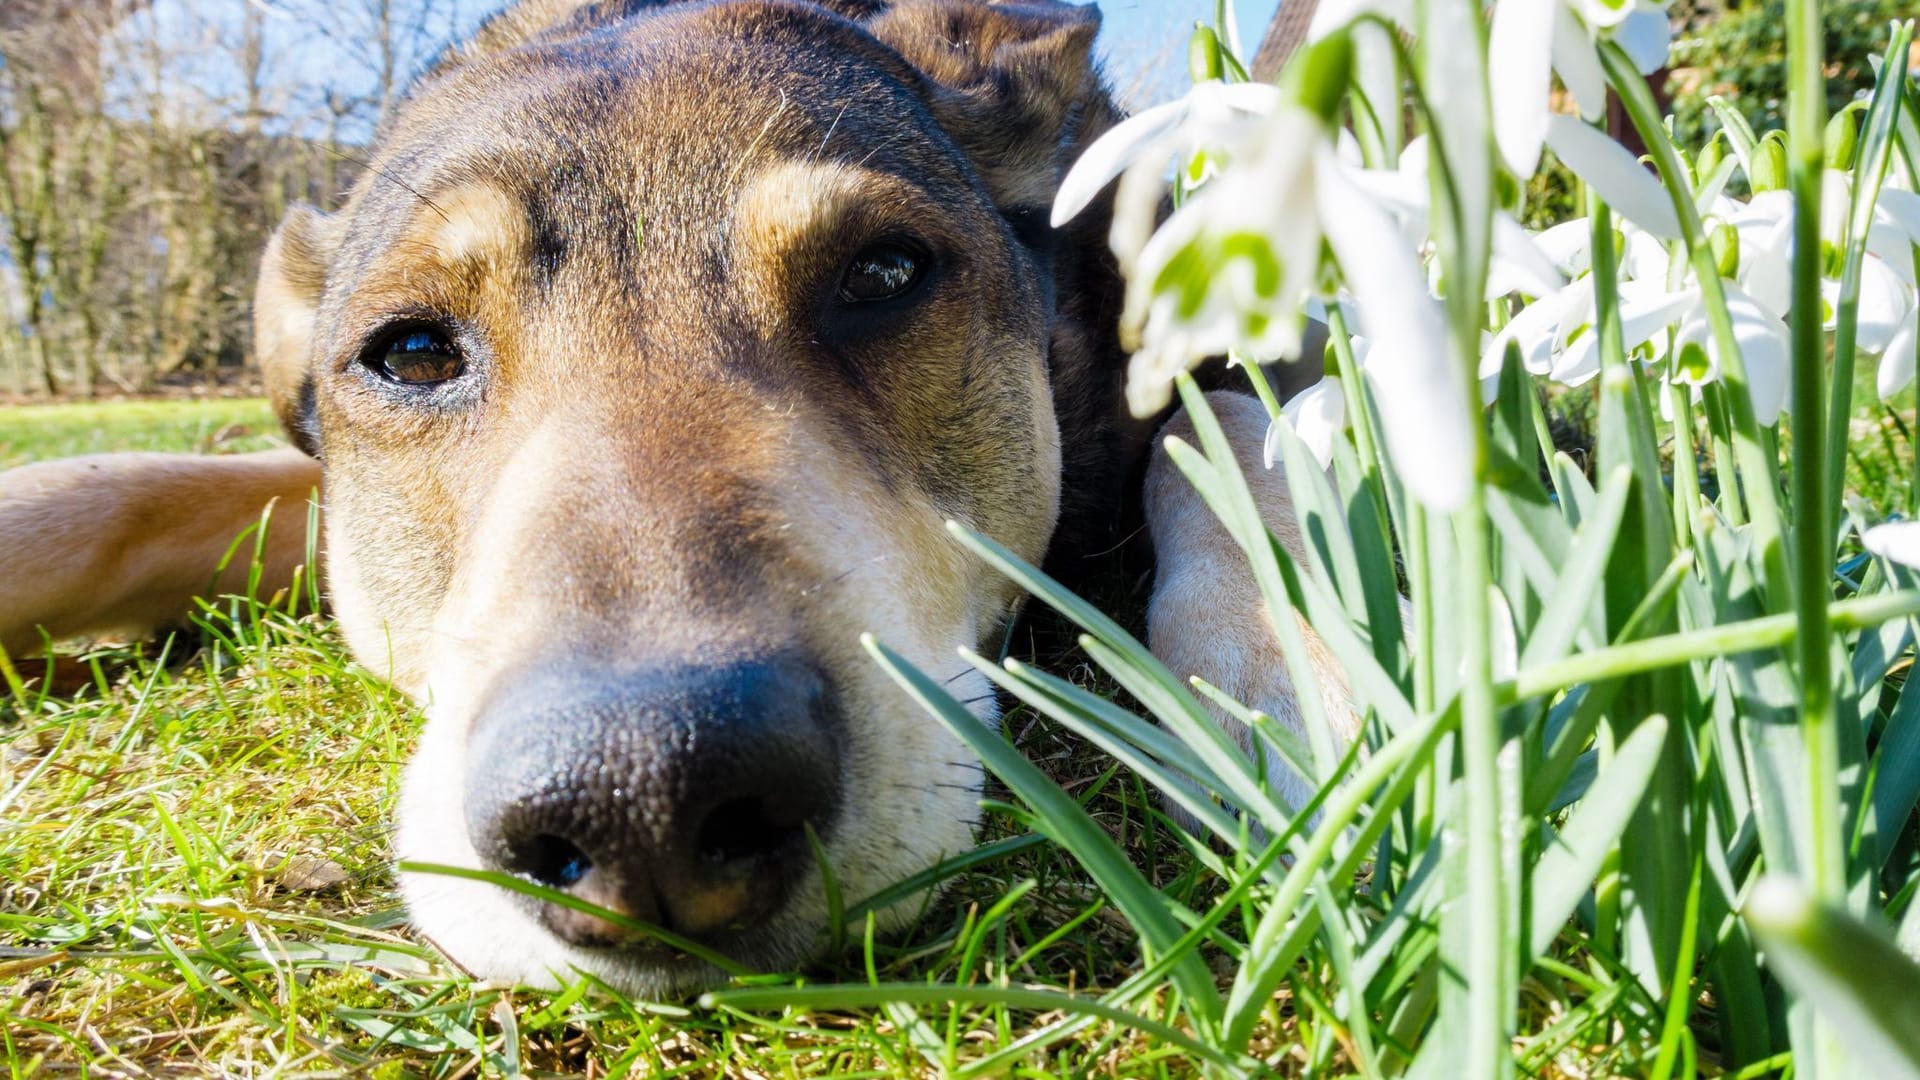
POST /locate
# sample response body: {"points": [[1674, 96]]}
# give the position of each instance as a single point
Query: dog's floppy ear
{"points": [[293, 274], [1013, 83]]}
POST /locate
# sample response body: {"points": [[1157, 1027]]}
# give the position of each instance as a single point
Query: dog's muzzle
{"points": [[677, 795]]}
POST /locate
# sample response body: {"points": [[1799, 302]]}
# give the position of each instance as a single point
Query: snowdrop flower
{"points": [[1318, 415], [1895, 541], [1765, 347], [1530, 38], [1528, 41], [1555, 333], [1232, 268], [1518, 263], [1888, 304], [1194, 132]]}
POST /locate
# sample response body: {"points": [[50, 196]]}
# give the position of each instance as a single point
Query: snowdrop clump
{"points": [[1470, 577]]}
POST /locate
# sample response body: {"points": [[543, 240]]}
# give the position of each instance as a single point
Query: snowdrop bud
{"points": [[1843, 138], [1318, 76], [1203, 54], [1769, 163], [1710, 156]]}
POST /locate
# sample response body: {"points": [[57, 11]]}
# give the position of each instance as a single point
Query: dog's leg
{"points": [[1206, 617], [120, 542]]}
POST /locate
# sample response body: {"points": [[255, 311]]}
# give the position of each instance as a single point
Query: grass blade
{"points": [[1150, 911]]}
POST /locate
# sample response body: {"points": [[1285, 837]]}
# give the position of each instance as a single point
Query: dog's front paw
{"points": [[1207, 618]]}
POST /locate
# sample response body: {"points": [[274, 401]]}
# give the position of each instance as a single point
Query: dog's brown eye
{"points": [[416, 356], [881, 272]]}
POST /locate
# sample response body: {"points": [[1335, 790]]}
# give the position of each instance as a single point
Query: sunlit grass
{"points": [[37, 432]]}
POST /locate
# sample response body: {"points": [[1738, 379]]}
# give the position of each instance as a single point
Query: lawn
{"points": [[227, 425], [194, 879]]}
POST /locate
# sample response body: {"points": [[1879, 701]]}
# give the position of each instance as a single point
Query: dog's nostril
{"points": [[742, 829], [554, 861]]}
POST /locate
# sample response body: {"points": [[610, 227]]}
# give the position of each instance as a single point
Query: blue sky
{"points": [[1142, 45], [1144, 42]]}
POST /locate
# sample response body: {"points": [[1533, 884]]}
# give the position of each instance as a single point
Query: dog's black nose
{"points": [[680, 796]]}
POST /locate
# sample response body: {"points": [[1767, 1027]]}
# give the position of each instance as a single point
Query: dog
{"points": [[638, 376]]}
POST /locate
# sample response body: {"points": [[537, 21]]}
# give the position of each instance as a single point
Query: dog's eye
{"points": [[882, 272], [415, 355]]}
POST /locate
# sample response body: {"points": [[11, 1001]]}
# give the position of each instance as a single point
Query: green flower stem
{"points": [[1686, 472], [1542, 427], [1360, 417], [1869, 173], [1489, 968], [1262, 389], [1341, 338], [1669, 650], [1813, 538], [1720, 433], [1756, 467]]}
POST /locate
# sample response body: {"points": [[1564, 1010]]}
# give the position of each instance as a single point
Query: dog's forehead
{"points": [[673, 106]]}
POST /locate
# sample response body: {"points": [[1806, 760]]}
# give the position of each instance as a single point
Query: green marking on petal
{"points": [[1693, 360], [1726, 250], [1258, 250]]}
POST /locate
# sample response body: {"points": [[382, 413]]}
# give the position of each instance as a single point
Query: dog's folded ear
{"points": [[293, 275], [1013, 83]]}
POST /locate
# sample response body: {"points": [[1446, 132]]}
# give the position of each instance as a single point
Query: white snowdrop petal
{"points": [[1520, 263], [1836, 195], [1456, 86], [1376, 68], [1646, 308], [1425, 411], [1896, 364], [1317, 415], [1885, 302], [1646, 35], [1566, 244], [1769, 281], [1901, 208], [1579, 361], [1533, 329], [1897, 541], [1249, 97], [1331, 15], [1889, 243], [1615, 174], [1522, 37], [1578, 64], [1768, 351], [1110, 155]]}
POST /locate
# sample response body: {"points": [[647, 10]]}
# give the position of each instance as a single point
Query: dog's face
{"points": [[645, 365]]}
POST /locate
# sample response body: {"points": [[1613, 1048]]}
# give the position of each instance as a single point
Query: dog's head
{"points": [[645, 363]]}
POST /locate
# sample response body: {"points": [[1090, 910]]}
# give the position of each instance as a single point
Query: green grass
{"points": [[194, 880], [38, 432]]}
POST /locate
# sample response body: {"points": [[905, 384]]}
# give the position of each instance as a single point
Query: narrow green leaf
{"points": [[1567, 866], [1570, 602], [1150, 911], [1852, 973]]}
